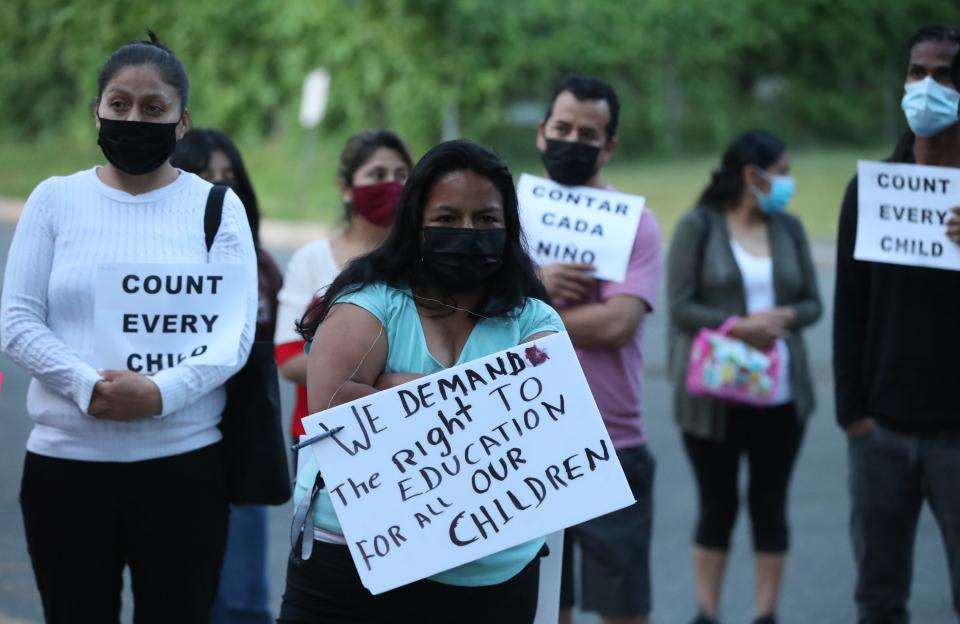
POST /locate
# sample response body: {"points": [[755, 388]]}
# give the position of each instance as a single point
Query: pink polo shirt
{"points": [[616, 375]]}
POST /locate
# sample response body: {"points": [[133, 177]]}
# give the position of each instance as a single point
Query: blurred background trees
{"points": [[691, 73]]}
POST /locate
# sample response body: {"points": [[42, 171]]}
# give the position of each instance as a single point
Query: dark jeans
{"points": [[891, 474], [614, 569], [770, 439], [326, 589], [244, 595], [166, 518]]}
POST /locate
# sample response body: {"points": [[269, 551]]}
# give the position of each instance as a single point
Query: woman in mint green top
{"points": [[451, 283]]}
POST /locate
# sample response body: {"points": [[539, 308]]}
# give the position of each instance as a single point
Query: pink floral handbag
{"points": [[725, 368]]}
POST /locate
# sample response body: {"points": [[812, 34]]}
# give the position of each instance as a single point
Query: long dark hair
{"points": [[758, 148], [397, 262], [193, 154]]}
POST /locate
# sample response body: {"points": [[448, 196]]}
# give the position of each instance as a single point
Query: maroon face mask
{"points": [[377, 202]]}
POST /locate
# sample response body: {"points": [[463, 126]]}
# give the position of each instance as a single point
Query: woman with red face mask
{"points": [[374, 165]]}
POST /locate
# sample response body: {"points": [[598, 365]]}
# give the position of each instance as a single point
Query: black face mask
{"points": [[137, 147], [570, 163], [462, 258]]}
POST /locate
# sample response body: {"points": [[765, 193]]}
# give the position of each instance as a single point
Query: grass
{"points": [[672, 185], [293, 183]]}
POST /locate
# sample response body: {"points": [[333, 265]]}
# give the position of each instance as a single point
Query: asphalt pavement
{"points": [[820, 575]]}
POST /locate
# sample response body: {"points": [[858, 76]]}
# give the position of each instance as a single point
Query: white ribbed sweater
{"points": [[68, 227]]}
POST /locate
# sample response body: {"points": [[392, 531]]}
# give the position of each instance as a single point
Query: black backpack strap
{"points": [[213, 213]]}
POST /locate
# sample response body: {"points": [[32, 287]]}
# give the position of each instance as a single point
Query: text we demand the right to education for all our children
{"points": [[458, 465]]}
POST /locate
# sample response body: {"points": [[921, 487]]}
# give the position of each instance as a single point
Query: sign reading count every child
{"points": [[467, 462], [149, 317], [903, 212], [579, 224]]}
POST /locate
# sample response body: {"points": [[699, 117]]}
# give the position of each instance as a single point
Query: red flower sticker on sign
{"points": [[535, 355]]}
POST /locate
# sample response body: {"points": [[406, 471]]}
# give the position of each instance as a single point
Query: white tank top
{"points": [[758, 285]]}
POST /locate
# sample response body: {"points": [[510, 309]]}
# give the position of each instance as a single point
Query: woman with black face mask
{"points": [[451, 283], [244, 594], [122, 468]]}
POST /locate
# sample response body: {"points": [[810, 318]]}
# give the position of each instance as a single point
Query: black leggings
{"points": [[770, 438], [166, 518], [326, 589]]}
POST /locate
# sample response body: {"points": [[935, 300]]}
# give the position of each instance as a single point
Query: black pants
{"points": [[770, 438], [326, 589], [166, 518]]}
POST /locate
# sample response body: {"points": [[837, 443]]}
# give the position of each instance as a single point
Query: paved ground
{"points": [[820, 575]]}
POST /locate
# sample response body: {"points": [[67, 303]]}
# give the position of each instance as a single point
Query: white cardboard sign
{"points": [[579, 224], [467, 462], [148, 317], [903, 212]]}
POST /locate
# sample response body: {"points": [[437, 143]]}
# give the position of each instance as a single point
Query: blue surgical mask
{"points": [[929, 106], [781, 191]]}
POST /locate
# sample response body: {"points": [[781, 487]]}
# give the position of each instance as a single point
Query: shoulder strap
{"points": [[213, 213]]}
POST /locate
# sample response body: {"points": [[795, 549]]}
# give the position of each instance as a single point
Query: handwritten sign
{"points": [[465, 463], [148, 317], [903, 212], [579, 224]]}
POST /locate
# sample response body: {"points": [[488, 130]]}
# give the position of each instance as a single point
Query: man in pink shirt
{"points": [[605, 322]]}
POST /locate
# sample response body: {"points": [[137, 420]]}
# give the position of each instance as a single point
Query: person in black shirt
{"points": [[953, 225], [896, 341]]}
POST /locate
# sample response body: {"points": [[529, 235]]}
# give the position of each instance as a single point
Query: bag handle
{"points": [[213, 213], [727, 325]]}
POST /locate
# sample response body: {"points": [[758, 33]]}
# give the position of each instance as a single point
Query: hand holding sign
{"points": [[123, 395], [567, 281], [953, 225]]}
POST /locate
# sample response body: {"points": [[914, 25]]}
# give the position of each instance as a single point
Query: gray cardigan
{"points": [[705, 287]]}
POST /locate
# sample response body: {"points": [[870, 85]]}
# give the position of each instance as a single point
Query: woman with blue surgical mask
{"points": [[738, 254]]}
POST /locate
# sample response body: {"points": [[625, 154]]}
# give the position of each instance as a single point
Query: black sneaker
{"points": [[767, 619], [705, 619]]}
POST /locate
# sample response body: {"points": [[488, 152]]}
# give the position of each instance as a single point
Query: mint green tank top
{"points": [[407, 352]]}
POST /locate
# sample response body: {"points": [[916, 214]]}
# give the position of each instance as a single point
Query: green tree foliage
{"points": [[690, 72]]}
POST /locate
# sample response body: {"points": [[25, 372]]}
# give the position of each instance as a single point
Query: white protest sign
{"points": [[579, 224], [467, 462], [903, 212], [148, 317]]}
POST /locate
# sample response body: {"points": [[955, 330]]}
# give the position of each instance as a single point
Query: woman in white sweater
{"points": [[121, 468]]}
